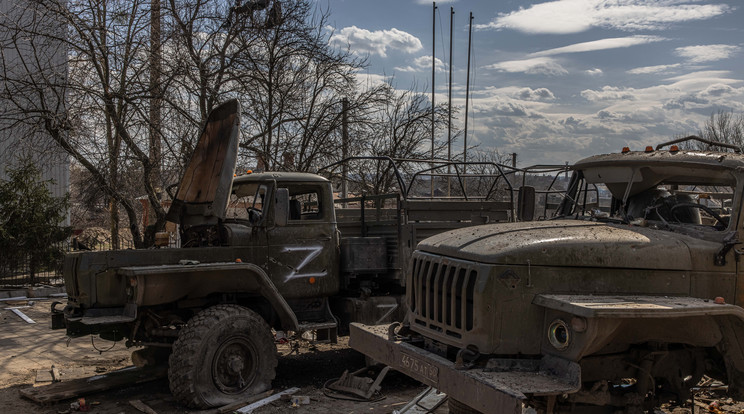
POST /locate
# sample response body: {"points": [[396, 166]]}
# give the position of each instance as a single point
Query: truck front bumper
{"points": [[502, 387]]}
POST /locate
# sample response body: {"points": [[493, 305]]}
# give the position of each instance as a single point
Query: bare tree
{"points": [[398, 127], [92, 104], [97, 100], [724, 126], [119, 87], [293, 100]]}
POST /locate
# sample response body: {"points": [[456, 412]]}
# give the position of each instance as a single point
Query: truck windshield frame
{"points": [[249, 203], [663, 197]]}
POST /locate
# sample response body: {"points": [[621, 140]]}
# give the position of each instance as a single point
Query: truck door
{"points": [[303, 254]]}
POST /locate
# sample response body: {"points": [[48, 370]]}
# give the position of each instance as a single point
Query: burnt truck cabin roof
{"points": [[648, 169], [690, 158]]}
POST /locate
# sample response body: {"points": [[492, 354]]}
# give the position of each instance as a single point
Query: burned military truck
{"points": [[258, 252], [623, 300]]}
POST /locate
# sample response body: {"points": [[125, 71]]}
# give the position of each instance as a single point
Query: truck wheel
{"points": [[456, 407], [224, 354]]}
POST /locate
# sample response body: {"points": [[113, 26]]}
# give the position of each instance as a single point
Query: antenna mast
{"points": [[467, 96], [433, 76]]}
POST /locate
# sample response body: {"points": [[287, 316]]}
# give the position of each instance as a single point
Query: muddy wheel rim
{"points": [[233, 366]]}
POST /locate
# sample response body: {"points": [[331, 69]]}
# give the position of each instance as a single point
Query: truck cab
{"points": [[621, 301]]}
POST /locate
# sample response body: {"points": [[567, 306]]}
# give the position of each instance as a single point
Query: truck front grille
{"points": [[441, 292]]}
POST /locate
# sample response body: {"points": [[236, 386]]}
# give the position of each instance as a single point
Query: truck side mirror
{"points": [[526, 203], [281, 207]]}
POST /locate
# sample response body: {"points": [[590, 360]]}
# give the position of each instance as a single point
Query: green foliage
{"points": [[30, 219]]}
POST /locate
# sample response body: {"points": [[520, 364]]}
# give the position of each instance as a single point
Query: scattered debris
{"points": [[142, 407], [22, 315], [426, 402], [357, 385], [187, 262], [249, 408], [44, 376], [80, 405], [234, 406], [85, 386], [298, 400], [56, 377], [17, 298], [280, 337]]}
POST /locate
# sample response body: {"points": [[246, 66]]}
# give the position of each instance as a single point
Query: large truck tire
{"points": [[224, 354]]}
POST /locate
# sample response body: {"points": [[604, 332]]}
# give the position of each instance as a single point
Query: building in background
{"points": [[20, 139]]}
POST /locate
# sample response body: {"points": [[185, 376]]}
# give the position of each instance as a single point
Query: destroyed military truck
{"points": [[258, 252], [622, 301]]}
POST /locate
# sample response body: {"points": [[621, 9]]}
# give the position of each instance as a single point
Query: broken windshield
{"points": [[671, 198], [247, 202]]}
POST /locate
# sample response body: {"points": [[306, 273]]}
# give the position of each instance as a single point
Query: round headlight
{"points": [[559, 334]]}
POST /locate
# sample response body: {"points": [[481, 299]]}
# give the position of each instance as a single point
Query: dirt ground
{"points": [[26, 349], [29, 349]]}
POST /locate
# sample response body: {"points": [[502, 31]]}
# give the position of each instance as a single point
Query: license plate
{"points": [[417, 366]]}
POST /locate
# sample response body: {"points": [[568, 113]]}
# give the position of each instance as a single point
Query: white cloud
{"points": [[699, 93], [574, 16], [602, 44], [422, 63], [706, 53], [718, 90], [608, 93], [594, 72], [647, 70], [705, 75], [539, 94], [376, 42], [538, 65]]}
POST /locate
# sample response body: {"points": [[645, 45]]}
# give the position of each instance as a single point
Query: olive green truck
{"points": [[622, 301], [259, 252]]}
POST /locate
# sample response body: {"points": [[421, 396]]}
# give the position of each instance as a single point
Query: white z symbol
{"points": [[313, 252]]}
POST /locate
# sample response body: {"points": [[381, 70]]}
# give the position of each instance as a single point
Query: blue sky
{"points": [[555, 81]]}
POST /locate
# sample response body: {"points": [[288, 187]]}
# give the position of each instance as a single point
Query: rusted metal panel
{"points": [[206, 182]]}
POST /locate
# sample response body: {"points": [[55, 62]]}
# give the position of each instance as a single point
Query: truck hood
{"points": [[204, 189], [568, 243]]}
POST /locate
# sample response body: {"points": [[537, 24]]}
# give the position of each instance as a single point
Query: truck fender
{"points": [[588, 322], [156, 285]]}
